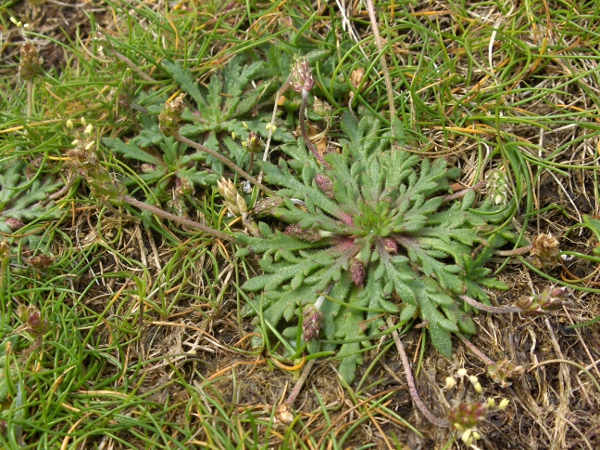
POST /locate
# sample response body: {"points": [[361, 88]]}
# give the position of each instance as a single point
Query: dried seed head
{"points": [[4, 249], [450, 383], [356, 77], [267, 205], [309, 235], [503, 371], [357, 272], [544, 251], [312, 322], [183, 186], [168, 120], [40, 262], [301, 76], [283, 414], [322, 108], [233, 200], [31, 61]]}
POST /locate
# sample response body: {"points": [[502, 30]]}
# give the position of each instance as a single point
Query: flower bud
{"points": [[312, 322], [497, 186], [357, 272], [548, 300], [390, 245], [324, 183], [147, 168], [322, 108], [14, 223], [301, 76]]}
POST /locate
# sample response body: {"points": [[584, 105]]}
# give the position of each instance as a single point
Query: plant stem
{"points": [[183, 221], [516, 251], [300, 382], [29, 98], [225, 161], [490, 309], [412, 387], [475, 350]]}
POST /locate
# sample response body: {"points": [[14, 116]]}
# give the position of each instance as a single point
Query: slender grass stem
{"points": [[183, 221]]}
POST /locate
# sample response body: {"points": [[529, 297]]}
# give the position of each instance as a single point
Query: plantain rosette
{"points": [[377, 226]]}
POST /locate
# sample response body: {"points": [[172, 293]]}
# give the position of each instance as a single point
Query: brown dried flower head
{"points": [[309, 235], [504, 370], [168, 120], [544, 251], [233, 200], [31, 62]]}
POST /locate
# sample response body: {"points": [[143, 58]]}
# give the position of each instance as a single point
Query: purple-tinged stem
{"points": [[490, 309], [412, 387], [475, 350], [225, 161], [181, 220]]}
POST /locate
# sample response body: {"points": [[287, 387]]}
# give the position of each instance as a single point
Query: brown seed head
{"points": [[544, 251], [168, 120], [30, 63]]}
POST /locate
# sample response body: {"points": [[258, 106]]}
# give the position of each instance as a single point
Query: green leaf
{"points": [[185, 79], [131, 151], [441, 340]]}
